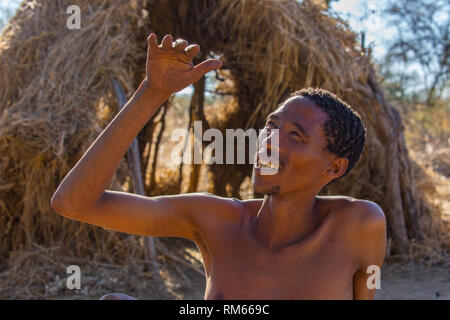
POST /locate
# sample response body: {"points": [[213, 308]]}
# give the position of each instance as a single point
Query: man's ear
{"points": [[337, 168]]}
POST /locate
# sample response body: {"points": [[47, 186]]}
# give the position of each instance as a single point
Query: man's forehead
{"points": [[300, 107]]}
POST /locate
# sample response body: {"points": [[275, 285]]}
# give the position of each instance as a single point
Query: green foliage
{"points": [[426, 123], [417, 64]]}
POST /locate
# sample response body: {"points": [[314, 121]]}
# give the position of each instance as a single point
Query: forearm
{"points": [[87, 181]]}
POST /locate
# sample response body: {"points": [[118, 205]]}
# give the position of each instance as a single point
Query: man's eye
{"points": [[295, 133]]}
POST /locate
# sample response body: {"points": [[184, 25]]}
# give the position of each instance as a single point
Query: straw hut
{"points": [[56, 96]]}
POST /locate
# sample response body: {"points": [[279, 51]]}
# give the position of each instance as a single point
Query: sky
{"points": [[13, 4], [348, 9], [360, 14], [377, 31], [7, 7]]}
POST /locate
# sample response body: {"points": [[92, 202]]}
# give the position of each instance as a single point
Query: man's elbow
{"points": [[60, 205]]}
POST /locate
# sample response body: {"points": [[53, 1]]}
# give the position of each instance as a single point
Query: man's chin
{"points": [[273, 191], [268, 190]]}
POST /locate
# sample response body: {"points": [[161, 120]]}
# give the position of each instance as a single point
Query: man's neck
{"points": [[285, 219]]}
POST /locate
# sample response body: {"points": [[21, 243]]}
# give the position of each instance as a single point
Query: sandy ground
{"points": [[414, 281], [398, 282], [41, 280]]}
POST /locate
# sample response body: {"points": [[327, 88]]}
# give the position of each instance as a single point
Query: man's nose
{"points": [[271, 141]]}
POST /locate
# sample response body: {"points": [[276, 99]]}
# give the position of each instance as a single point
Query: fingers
{"points": [[152, 41], [180, 45], [192, 50], [167, 42], [204, 67]]}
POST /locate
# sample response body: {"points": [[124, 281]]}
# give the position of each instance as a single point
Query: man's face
{"points": [[303, 157]]}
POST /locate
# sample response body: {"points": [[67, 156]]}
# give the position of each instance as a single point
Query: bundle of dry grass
{"points": [[41, 273], [272, 48], [53, 84], [55, 98]]}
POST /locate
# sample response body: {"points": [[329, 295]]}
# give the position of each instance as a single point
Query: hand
{"points": [[169, 66]]}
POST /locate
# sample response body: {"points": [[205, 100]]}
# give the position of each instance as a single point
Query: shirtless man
{"points": [[293, 244]]}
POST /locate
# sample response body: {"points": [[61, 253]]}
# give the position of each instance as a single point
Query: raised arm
{"points": [[82, 195]]}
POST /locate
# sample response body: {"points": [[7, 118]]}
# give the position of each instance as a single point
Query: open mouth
{"points": [[266, 164], [263, 161]]}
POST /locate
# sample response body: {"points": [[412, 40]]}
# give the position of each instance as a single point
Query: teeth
{"points": [[266, 164]]}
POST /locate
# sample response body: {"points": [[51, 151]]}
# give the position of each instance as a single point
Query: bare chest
{"points": [[320, 267]]}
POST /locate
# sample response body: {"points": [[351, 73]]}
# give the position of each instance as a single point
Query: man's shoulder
{"points": [[361, 224], [363, 228], [366, 209], [222, 208], [213, 198], [360, 213], [367, 213]]}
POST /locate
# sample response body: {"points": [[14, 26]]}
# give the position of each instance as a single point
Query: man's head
{"points": [[320, 140]]}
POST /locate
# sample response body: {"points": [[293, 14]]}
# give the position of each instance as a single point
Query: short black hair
{"points": [[344, 130]]}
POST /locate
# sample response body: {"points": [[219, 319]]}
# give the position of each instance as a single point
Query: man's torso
{"points": [[320, 266]]}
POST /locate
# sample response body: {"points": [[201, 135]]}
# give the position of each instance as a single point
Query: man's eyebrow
{"points": [[301, 129], [296, 124]]}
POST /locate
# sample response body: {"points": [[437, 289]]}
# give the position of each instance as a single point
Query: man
{"points": [[292, 244]]}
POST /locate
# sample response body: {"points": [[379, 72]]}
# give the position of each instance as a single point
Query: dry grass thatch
{"points": [[41, 273], [53, 81], [272, 48], [55, 97]]}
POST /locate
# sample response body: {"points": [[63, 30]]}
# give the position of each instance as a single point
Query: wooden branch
{"points": [[220, 93], [157, 144], [162, 249], [148, 132], [197, 105], [186, 280], [389, 129], [134, 164]]}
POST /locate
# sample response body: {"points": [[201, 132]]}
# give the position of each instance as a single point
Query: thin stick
{"points": [[187, 282], [169, 255], [135, 169]]}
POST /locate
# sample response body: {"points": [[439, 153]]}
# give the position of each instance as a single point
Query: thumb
{"points": [[205, 67]]}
